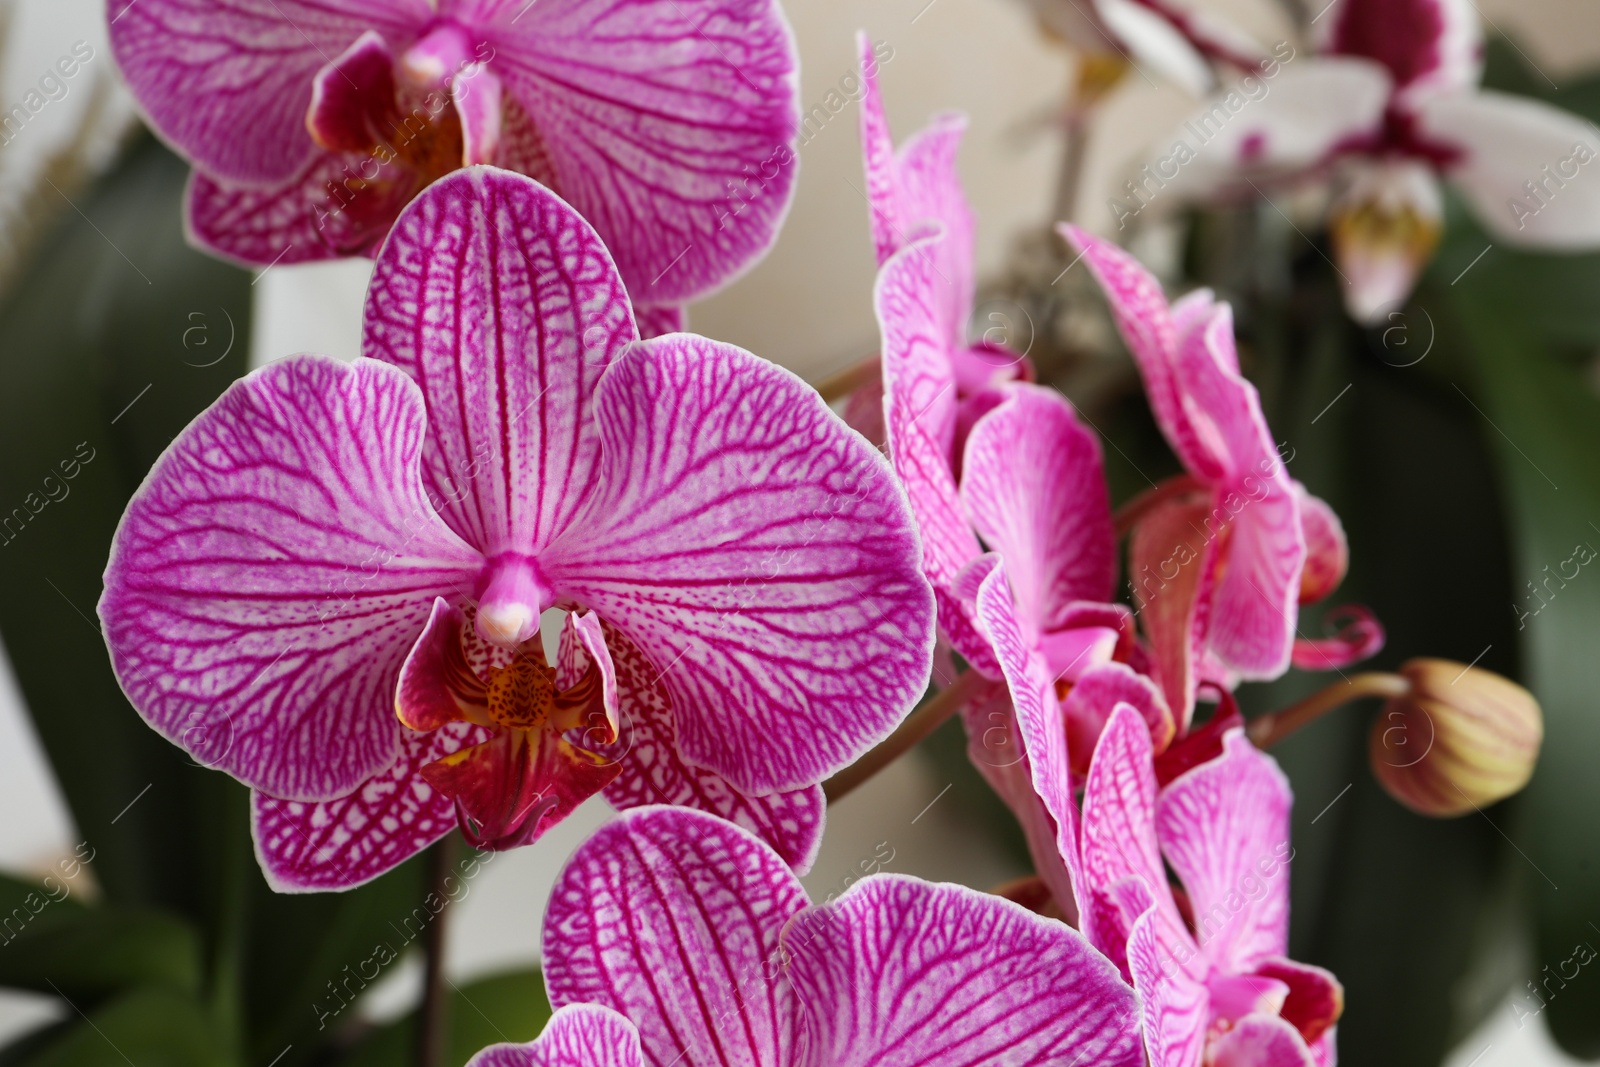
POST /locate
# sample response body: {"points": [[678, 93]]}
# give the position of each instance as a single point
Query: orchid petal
{"points": [[310, 846], [661, 319], [1261, 1041], [1093, 697], [308, 218], [505, 308], [994, 745], [915, 188], [1155, 42], [228, 82], [1224, 827], [670, 125], [1509, 142], [1032, 480], [1427, 46], [759, 554], [1293, 124], [1315, 1001], [653, 772], [901, 973], [1173, 1003], [1118, 835], [1146, 323], [672, 918], [1253, 619], [578, 1035], [270, 575], [1039, 724], [1172, 582], [1327, 549]]}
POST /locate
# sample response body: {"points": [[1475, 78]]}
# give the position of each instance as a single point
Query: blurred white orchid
{"points": [[1171, 40], [1390, 105]]}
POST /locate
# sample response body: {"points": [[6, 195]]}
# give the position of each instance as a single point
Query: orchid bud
{"points": [[1462, 738]]}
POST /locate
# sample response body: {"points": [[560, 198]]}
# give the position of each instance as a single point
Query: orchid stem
{"points": [[1130, 514], [842, 384], [1268, 730], [433, 1020], [918, 725]]}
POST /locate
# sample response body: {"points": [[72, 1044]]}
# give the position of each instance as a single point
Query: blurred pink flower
{"points": [[668, 124]]}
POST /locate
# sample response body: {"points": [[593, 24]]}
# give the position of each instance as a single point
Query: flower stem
{"points": [[842, 384], [1129, 515], [1268, 730], [918, 725], [433, 1019]]}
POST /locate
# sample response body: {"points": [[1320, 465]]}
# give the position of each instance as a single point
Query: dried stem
{"points": [[1268, 730], [918, 725]]}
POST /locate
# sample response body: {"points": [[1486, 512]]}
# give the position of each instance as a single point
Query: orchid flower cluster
{"points": [[338, 582]]}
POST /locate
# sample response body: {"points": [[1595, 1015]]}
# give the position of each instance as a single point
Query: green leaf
{"points": [[504, 1008], [146, 1027], [117, 335], [90, 953], [1543, 421]]}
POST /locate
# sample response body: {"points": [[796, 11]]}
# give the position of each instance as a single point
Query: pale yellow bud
{"points": [[1461, 739]]}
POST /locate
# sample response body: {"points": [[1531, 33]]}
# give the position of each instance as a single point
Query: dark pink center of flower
{"points": [[1403, 35]]}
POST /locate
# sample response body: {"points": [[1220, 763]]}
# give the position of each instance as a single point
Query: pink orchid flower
{"points": [[1210, 966], [935, 385], [1215, 988], [668, 124], [1391, 107], [301, 565], [1220, 560], [682, 939]]}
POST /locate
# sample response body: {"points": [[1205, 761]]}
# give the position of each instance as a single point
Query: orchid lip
{"points": [[513, 596], [437, 57]]}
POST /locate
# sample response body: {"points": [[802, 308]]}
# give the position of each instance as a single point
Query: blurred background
{"points": [[807, 306]]}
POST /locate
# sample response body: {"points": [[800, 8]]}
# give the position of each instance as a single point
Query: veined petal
{"points": [[671, 917], [228, 82], [505, 308], [310, 846], [1523, 166], [1146, 323], [652, 772], [272, 572], [1252, 621], [578, 1035], [1224, 827], [1427, 46], [670, 125], [661, 319], [903, 973], [1118, 836], [915, 188], [1039, 721], [307, 218], [1033, 482], [759, 554], [1174, 1005]]}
